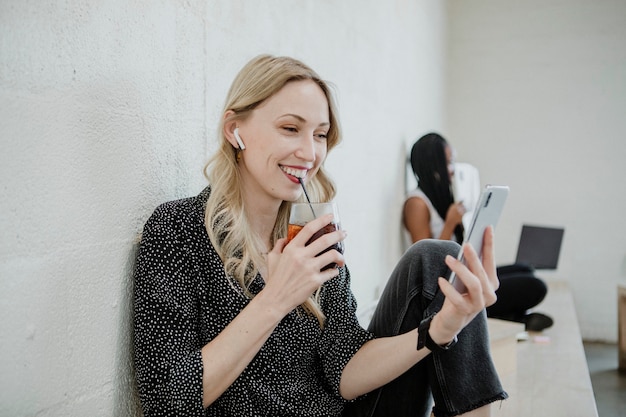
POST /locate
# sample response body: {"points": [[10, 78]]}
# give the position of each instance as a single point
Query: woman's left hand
{"points": [[481, 281]]}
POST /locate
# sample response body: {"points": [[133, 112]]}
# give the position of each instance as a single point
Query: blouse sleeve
{"points": [[342, 336], [167, 356]]}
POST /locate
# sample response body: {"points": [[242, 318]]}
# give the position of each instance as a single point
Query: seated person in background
{"points": [[430, 212]]}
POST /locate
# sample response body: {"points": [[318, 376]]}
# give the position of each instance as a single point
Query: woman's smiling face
{"points": [[285, 139]]}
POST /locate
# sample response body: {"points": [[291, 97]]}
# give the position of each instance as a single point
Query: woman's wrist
{"points": [[424, 338], [266, 306], [438, 333], [448, 229]]}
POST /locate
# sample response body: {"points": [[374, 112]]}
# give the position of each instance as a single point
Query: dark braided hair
{"points": [[429, 164]]}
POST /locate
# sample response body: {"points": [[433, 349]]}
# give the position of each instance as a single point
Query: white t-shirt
{"points": [[436, 222]]}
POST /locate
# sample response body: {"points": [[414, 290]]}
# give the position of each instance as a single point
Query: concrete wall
{"points": [[536, 99], [109, 108]]}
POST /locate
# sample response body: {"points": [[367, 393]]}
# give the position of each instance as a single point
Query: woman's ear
{"points": [[230, 125]]}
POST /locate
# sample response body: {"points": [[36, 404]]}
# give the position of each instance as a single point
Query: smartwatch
{"points": [[424, 339]]}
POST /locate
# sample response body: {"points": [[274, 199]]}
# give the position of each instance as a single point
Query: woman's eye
{"points": [[290, 129], [323, 136]]}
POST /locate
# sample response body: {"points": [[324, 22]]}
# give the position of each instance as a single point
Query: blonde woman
{"points": [[231, 320]]}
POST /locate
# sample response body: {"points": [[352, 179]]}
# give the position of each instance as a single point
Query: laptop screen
{"points": [[540, 246]]}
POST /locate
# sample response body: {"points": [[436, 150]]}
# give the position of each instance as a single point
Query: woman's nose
{"points": [[306, 148]]}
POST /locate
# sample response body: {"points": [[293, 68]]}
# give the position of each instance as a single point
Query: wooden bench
{"points": [[503, 338], [551, 376]]}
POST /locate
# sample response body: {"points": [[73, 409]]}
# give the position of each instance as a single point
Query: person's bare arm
{"points": [[378, 362], [417, 219], [454, 217], [226, 356]]}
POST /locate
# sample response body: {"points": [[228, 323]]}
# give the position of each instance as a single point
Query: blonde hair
{"points": [[225, 217]]}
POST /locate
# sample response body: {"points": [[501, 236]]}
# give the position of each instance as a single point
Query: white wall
{"points": [[536, 98], [109, 108]]}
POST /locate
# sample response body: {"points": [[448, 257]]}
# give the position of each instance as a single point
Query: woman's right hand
{"points": [[295, 269], [481, 280]]}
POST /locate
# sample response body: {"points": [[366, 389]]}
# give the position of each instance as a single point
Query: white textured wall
{"points": [[109, 108], [537, 100]]}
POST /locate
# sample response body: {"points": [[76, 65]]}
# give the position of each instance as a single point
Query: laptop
{"points": [[540, 246]]}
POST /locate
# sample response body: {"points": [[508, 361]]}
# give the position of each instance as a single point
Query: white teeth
{"points": [[299, 173]]}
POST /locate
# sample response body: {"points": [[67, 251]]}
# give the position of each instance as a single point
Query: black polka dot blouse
{"points": [[183, 299]]}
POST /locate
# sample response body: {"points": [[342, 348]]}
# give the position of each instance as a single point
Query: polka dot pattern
{"points": [[183, 299]]}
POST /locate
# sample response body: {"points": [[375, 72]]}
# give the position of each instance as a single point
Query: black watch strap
{"points": [[424, 339]]}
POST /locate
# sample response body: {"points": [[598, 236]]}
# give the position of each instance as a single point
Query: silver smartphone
{"points": [[487, 213]]}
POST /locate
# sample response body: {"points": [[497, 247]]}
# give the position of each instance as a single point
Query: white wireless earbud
{"points": [[238, 139]]}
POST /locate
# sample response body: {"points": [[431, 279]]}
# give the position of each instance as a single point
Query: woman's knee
{"points": [[426, 259], [433, 251]]}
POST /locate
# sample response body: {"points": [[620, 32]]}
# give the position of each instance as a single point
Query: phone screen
{"points": [[487, 213]]}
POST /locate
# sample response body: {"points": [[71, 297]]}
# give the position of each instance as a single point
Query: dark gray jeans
{"points": [[459, 380]]}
